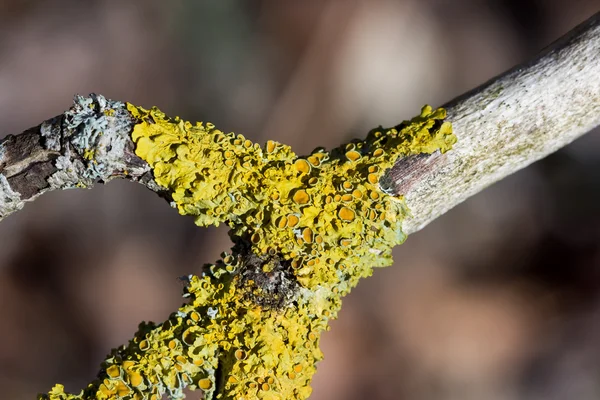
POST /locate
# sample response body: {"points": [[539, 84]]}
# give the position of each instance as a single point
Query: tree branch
{"points": [[305, 229], [504, 125], [508, 123], [89, 143]]}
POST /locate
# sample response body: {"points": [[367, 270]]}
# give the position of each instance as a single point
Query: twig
{"points": [[305, 229], [504, 125], [89, 143]]}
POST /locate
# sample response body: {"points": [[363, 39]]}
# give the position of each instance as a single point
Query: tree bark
{"points": [[502, 126]]}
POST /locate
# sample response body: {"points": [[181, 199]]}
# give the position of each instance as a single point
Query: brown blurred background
{"points": [[498, 299]]}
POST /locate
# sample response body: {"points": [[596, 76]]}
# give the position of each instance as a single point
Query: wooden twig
{"points": [[305, 229]]}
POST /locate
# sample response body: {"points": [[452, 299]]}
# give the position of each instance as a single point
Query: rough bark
{"points": [[89, 143], [502, 126]]}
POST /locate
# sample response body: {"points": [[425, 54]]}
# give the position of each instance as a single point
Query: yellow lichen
{"points": [[88, 154], [316, 224]]}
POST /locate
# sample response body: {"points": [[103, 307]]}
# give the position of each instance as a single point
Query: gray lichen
{"points": [[89, 143], [10, 201], [50, 131], [94, 126]]}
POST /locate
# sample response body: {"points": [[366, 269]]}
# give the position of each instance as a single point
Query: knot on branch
{"points": [[268, 281]]}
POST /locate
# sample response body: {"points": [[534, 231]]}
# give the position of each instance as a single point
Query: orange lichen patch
{"points": [[113, 371], [307, 235], [346, 214], [240, 354], [301, 197], [270, 146], [292, 221], [205, 384], [127, 365], [290, 208], [181, 359], [282, 222], [229, 154], [347, 197], [317, 158], [345, 242], [135, 379], [302, 166], [121, 389], [103, 390], [353, 155], [373, 179]]}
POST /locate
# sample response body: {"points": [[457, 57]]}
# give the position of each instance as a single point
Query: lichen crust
{"points": [[313, 224]]}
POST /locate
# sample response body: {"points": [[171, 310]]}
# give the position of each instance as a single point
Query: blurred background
{"points": [[498, 299]]}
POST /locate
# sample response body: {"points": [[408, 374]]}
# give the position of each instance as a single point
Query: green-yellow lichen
{"points": [[313, 226]]}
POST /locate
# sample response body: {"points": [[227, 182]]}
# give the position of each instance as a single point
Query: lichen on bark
{"points": [[305, 230]]}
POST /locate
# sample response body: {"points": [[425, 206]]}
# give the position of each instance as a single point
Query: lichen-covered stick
{"points": [[305, 229]]}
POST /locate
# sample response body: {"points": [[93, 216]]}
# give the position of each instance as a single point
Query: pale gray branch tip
{"points": [[508, 123]]}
